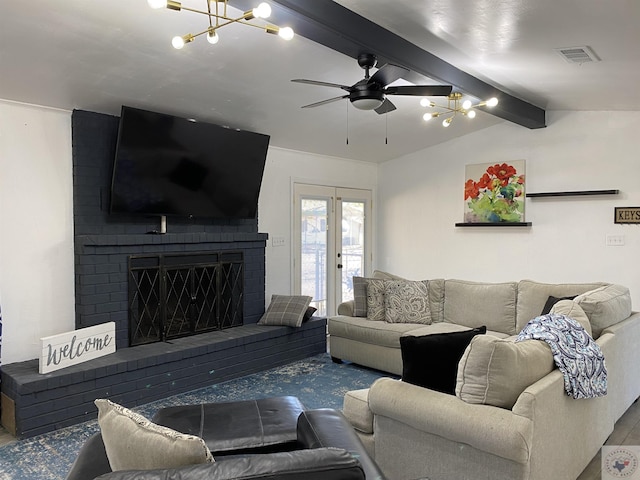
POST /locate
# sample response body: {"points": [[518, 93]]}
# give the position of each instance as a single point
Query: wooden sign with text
{"points": [[627, 215], [71, 348]]}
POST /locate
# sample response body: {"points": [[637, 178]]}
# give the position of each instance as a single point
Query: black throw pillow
{"points": [[551, 301], [308, 314], [431, 361]]}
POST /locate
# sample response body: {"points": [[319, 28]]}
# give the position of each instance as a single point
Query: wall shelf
{"points": [[572, 194], [495, 224]]}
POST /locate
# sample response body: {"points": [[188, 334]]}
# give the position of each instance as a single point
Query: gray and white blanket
{"points": [[576, 354]]}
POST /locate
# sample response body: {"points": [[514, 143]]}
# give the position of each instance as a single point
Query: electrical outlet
{"points": [[277, 241], [615, 240]]}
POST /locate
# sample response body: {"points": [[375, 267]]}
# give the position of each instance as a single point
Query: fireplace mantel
{"points": [[167, 239]]}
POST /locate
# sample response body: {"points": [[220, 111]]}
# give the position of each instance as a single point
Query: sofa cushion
{"points": [[134, 443], [355, 407], [286, 310], [496, 371], [605, 306], [431, 361], [532, 297], [365, 331], [572, 310], [406, 302], [473, 304]]}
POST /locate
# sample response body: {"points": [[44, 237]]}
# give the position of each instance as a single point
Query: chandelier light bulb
{"points": [[446, 122], [212, 37], [466, 104], [424, 102], [157, 3], [427, 116], [286, 33], [471, 114], [177, 42], [492, 102], [262, 11]]}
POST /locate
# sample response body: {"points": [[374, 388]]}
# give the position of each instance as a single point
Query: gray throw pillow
{"points": [[286, 310], [134, 443], [360, 296]]}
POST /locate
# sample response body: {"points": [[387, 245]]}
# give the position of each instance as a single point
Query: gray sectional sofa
{"points": [[510, 417]]}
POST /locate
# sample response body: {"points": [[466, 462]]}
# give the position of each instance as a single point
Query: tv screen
{"points": [[166, 165]]}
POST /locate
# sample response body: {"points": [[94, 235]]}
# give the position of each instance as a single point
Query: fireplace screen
{"points": [[175, 295]]}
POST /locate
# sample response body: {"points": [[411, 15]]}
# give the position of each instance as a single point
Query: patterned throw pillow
{"points": [[287, 310], [134, 443], [407, 302], [375, 299]]}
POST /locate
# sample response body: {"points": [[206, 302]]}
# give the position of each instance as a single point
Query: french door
{"points": [[332, 242]]}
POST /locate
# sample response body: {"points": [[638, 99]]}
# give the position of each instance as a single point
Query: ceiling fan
{"points": [[371, 92]]}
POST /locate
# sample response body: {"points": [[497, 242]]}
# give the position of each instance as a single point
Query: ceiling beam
{"points": [[336, 27]]}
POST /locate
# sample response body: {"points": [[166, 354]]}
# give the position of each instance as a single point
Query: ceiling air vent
{"points": [[577, 55]]}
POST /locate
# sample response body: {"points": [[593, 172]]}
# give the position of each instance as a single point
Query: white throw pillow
{"points": [[134, 443]]}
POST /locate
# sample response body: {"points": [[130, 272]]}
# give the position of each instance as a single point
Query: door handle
{"points": [[339, 265]]}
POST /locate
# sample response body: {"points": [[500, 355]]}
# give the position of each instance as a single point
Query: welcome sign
{"points": [[78, 346]]}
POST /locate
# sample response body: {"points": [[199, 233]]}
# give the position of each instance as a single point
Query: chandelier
{"points": [[454, 106], [218, 18]]}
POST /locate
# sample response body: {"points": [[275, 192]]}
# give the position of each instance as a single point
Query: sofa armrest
{"points": [[346, 308], [490, 429], [317, 464]]}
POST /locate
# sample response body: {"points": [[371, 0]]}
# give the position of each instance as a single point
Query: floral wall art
{"points": [[494, 192]]}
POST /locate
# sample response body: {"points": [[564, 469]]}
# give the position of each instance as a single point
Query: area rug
{"points": [[316, 381]]}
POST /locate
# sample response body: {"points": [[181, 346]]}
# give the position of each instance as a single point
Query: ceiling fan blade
{"points": [[420, 90], [324, 102], [386, 107], [387, 74], [322, 84]]}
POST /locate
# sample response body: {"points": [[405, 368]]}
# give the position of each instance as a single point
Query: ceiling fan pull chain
{"points": [[386, 129], [347, 105]]}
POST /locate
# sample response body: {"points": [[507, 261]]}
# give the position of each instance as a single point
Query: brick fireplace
{"points": [[106, 248]]}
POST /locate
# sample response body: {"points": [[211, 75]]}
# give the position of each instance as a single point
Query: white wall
{"points": [[275, 215], [421, 198], [36, 227]]}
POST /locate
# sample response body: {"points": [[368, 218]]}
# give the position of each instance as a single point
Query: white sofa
{"points": [[511, 417]]}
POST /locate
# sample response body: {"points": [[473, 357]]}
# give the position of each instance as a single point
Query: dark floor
{"points": [[626, 432]]}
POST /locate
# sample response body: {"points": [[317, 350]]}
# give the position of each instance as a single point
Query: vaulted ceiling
{"points": [[98, 55]]}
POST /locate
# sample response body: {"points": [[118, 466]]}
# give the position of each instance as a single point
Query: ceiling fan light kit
{"points": [[454, 106], [371, 92], [218, 18]]}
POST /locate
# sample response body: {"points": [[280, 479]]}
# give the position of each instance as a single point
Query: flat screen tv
{"points": [[172, 166]]}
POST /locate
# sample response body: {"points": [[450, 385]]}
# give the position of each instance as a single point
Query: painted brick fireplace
{"points": [[104, 248]]}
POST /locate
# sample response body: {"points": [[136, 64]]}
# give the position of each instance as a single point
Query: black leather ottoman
{"points": [[249, 426]]}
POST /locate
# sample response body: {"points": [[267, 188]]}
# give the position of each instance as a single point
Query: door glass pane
{"points": [[352, 245], [314, 252]]}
